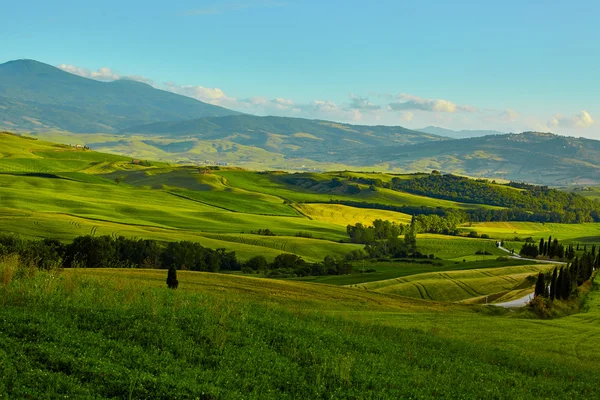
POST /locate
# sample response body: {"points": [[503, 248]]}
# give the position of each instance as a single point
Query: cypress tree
{"points": [[567, 285], [553, 283], [541, 247], [546, 248], [540, 285], [172, 281], [559, 283]]}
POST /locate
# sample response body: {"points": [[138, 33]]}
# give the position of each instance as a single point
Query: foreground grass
{"points": [[120, 334]]}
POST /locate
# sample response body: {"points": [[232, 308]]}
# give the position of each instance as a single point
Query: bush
{"points": [[473, 234]]}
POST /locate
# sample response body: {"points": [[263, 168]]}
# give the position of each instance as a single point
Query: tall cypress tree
{"points": [[540, 285], [553, 283], [559, 283], [567, 285], [541, 247]]}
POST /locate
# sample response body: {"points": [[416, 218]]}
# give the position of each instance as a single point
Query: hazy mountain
{"points": [[293, 137], [436, 130], [36, 96], [530, 156]]}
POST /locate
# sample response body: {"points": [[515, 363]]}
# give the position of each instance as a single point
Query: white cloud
{"points": [[411, 102], [509, 115], [582, 120], [209, 95], [102, 74]]}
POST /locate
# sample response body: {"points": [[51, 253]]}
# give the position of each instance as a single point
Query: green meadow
{"points": [[123, 334], [403, 328]]}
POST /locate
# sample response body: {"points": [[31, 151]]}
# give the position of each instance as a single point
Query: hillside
{"points": [[317, 140], [37, 96], [533, 157]]}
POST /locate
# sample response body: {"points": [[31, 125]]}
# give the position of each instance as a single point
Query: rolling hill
{"points": [[37, 96], [134, 119], [317, 140], [535, 157]]}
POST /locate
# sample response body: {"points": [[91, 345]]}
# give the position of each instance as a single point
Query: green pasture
{"points": [[385, 270], [460, 285], [123, 334], [584, 233]]}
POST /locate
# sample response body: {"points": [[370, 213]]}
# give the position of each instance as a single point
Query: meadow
{"points": [[123, 334], [408, 329]]}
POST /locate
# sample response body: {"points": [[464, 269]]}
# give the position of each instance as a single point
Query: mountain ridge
{"points": [[35, 96]]}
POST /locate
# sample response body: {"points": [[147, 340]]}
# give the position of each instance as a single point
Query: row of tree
{"points": [[562, 281], [552, 248], [120, 252]]}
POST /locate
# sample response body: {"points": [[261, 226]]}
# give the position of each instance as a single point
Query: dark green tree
{"points": [[540, 285], [553, 283], [172, 281]]}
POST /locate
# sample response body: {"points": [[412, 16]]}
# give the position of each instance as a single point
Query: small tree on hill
{"points": [[172, 281]]}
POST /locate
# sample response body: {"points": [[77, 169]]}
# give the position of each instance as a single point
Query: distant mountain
{"points": [[35, 96], [435, 130], [533, 157], [294, 137]]}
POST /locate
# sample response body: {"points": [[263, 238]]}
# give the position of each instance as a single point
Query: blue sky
{"points": [[510, 65]]}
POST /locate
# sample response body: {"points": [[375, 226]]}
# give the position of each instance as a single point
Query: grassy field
{"points": [[461, 285], [584, 233], [344, 215], [385, 270], [123, 334]]}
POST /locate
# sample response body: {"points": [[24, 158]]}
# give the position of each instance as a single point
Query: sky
{"points": [[505, 65]]}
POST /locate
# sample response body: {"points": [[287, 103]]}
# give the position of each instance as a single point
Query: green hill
{"points": [[37, 96], [532, 157], [317, 140]]}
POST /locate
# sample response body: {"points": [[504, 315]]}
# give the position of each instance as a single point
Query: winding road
{"points": [[526, 299]]}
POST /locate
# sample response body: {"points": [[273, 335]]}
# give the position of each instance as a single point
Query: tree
{"points": [[172, 281], [566, 284], [257, 263], [540, 286], [553, 283], [541, 246]]}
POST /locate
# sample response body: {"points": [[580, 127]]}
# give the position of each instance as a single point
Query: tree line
{"points": [[537, 203], [121, 252], [561, 284]]}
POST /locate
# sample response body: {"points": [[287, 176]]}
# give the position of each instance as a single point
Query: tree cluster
{"points": [[530, 203], [382, 239], [563, 281], [292, 265]]}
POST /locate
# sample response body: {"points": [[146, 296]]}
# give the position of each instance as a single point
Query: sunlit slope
{"points": [[460, 285], [203, 186], [345, 215]]}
